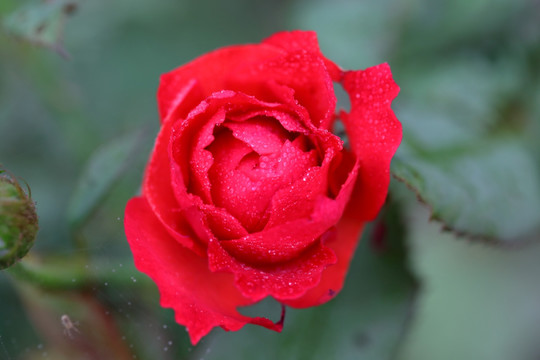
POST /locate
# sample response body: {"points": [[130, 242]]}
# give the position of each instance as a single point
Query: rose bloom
{"points": [[248, 193]]}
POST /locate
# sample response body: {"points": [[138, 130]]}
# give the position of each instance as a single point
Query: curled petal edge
{"points": [[200, 298]]}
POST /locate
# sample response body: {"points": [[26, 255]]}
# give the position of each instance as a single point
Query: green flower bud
{"points": [[18, 221]]}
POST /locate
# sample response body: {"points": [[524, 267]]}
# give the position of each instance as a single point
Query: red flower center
{"points": [[252, 160]]}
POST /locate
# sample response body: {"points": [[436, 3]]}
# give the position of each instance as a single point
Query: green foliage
{"points": [[472, 193], [104, 169], [41, 23], [462, 152]]}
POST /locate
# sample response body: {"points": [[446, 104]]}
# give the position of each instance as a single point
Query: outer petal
{"points": [[181, 89], [302, 71], [201, 299], [160, 195], [306, 41], [374, 133], [342, 243], [284, 281], [248, 68]]}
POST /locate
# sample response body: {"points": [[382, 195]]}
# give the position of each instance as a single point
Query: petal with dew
{"points": [[374, 133], [284, 281], [306, 41], [200, 298]]}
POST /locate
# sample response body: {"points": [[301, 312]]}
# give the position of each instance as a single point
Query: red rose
{"points": [[248, 193]]}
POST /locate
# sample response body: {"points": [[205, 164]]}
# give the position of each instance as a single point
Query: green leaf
{"points": [[488, 190], [41, 23], [103, 170], [365, 321], [462, 152]]}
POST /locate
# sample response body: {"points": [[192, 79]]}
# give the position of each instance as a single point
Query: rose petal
{"points": [[343, 244], [191, 136], [303, 72], [201, 299], [289, 121], [201, 159], [374, 134], [340, 169], [282, 241], [296, 201], [264, 135], [222, 224], [287, 240], [284, 281], [246, 187], [233, 189], [303, 40], [181, 89], [186, 95], [159, 193]]}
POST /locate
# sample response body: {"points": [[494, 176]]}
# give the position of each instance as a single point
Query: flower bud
{"points": [[18, 221]]}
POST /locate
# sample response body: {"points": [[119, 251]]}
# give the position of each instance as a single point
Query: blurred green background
{"points": [[77, 121]]}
